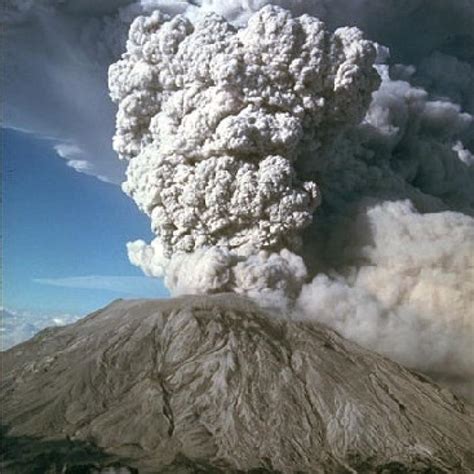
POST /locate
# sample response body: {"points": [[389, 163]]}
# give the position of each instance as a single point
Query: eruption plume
{"points": [[293, 165], [213, 121]]}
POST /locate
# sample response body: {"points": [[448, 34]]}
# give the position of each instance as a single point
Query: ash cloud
{"points": [[212, 120]]}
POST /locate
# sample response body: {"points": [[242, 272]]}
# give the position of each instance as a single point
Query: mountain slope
{"points": [[216, 384]]}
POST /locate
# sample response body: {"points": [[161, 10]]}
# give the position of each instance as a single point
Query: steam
{"points": [[294, 165]]}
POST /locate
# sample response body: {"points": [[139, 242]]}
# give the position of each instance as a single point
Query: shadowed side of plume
{"points": [[216, 384]]}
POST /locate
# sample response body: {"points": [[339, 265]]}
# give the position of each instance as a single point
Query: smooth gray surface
{"points": [[215, 384]]}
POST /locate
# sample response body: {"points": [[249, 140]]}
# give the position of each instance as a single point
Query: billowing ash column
{"points": [[212, 120]]}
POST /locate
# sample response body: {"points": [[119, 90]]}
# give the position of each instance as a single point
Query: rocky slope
{"points": [[216, 384]]}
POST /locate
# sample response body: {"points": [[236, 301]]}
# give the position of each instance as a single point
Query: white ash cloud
{"points": [[300, 168], [213, 119]]}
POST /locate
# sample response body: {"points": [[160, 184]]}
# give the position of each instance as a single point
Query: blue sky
{"points": [[64, 234]]}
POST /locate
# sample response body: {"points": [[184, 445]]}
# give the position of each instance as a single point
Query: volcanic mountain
{"points": [[216, 384]]}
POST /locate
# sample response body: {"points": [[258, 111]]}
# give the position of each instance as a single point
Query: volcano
{"points": [[216, 384]]}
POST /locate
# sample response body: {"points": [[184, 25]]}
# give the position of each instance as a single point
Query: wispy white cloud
{"points": [[17, 326], [128, 285]]}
